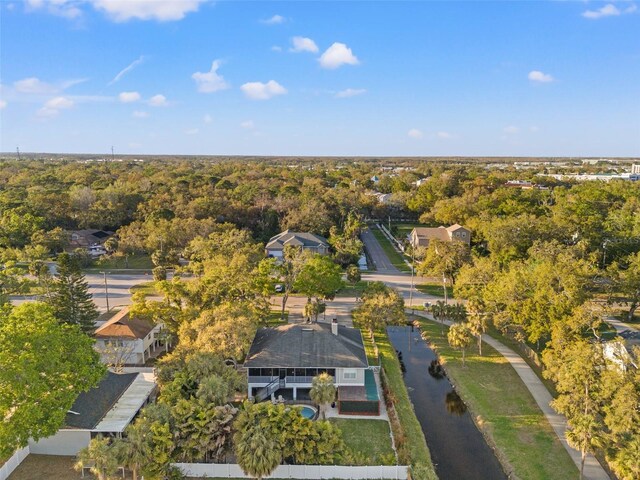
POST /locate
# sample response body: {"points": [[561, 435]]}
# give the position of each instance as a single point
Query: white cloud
{"points": [[126, 70], [160, 10], [444, 135], [140, 114], [263, 91], [210, 81], [350, 92], [53, 106], [248, 124], [303, 44], [276, 48], [275, 20], [129, 97], [158, 101], [538, 76], [3, 104], [61, 8], [207, 118], [608, 10], [511, 129], [415, 133], [120, 10], [34, 85], [192, 131], [336, 55]]}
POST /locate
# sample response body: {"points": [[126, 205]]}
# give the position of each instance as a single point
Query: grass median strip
{"points": [[396, 259], [504, 409]]}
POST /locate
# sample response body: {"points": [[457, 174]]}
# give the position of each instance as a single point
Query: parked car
{"points": [[279, 288], [426, 304]]}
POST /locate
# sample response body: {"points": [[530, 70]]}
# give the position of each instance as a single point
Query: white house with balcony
{"points": [[282, 362], [128, 340]]}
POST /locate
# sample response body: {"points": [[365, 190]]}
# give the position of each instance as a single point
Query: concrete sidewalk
{"points": [[592, 468]]}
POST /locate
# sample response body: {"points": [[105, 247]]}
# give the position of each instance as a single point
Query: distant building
{"points": [[106, 409], [304, 240], [524, 185], [635, 169], [375, 179], [132, 340], [420, 181], [88, 238], [421, 236]]}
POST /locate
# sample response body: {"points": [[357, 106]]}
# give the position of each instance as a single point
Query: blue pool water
{"points": [[308, 412]]}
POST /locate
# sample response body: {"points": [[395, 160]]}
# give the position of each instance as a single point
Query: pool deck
{"points": [[333, 412]]}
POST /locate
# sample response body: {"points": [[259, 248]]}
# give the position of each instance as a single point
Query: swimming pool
{"points": [[308, 412]]}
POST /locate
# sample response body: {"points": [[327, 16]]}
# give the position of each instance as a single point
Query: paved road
{"points": [[377, 254], [592, 468], [118, 287]]}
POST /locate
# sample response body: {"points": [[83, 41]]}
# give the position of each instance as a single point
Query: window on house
{"points": [[349, 374]]}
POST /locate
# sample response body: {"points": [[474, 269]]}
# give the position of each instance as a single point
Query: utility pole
{"points": [[444, 287], [411, 289], [106, 290], [18, 150], [113, 158]]}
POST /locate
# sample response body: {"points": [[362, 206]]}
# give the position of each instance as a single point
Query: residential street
{"points": [[376, 253]]}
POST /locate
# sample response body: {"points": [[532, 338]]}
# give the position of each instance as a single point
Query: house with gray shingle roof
{"points": [[106, 409], [282, 361], [304, 240]]}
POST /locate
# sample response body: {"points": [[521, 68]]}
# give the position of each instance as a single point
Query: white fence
{"points": [[209, 470], [10, 465]]}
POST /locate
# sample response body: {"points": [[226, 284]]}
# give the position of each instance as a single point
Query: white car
{"points": [[279, 288]]}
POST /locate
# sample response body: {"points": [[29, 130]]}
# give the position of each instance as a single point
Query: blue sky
{"points": [[321, 78]]}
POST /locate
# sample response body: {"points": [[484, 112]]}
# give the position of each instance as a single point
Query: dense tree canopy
{"points": [[44, 365]]}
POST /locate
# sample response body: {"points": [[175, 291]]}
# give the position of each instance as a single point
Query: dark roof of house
{"points": [[91, 407], [307, 346], [122, 325], [299, 239]]}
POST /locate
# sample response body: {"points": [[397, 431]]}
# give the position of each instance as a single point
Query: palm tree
{"points": [[323, 391], [460, 337], [100, 457], [477, 320], [135, 450], [257, 453], [439, 312]]}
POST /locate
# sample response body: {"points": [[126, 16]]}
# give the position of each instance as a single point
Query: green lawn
{"points": [[135, 262], [435, 289], [350, 290], [410, 442], [402, 230], [369, 347], [275, 318], [369, 438], [148, 288], [395, 258], [504, 409]]}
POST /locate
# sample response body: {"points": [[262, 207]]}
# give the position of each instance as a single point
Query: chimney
{"points": [[334, 326]]}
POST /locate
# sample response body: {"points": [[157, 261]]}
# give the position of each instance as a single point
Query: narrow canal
{"points": [[458, 449]]}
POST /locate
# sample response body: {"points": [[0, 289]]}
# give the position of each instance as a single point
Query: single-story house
{"points": [[88, 238], [307, 241], [132, 340], [282, 361], [421, 236], [106, 409]]}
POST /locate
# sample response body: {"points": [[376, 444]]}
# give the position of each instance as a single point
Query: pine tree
{"points": [[70, 297]]}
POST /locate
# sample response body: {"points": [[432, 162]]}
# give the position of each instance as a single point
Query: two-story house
{"points": [[421, 236], [282, 361], [127, 340]]}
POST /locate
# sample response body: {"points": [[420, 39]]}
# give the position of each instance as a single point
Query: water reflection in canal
{"points": [[457, 448]]}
